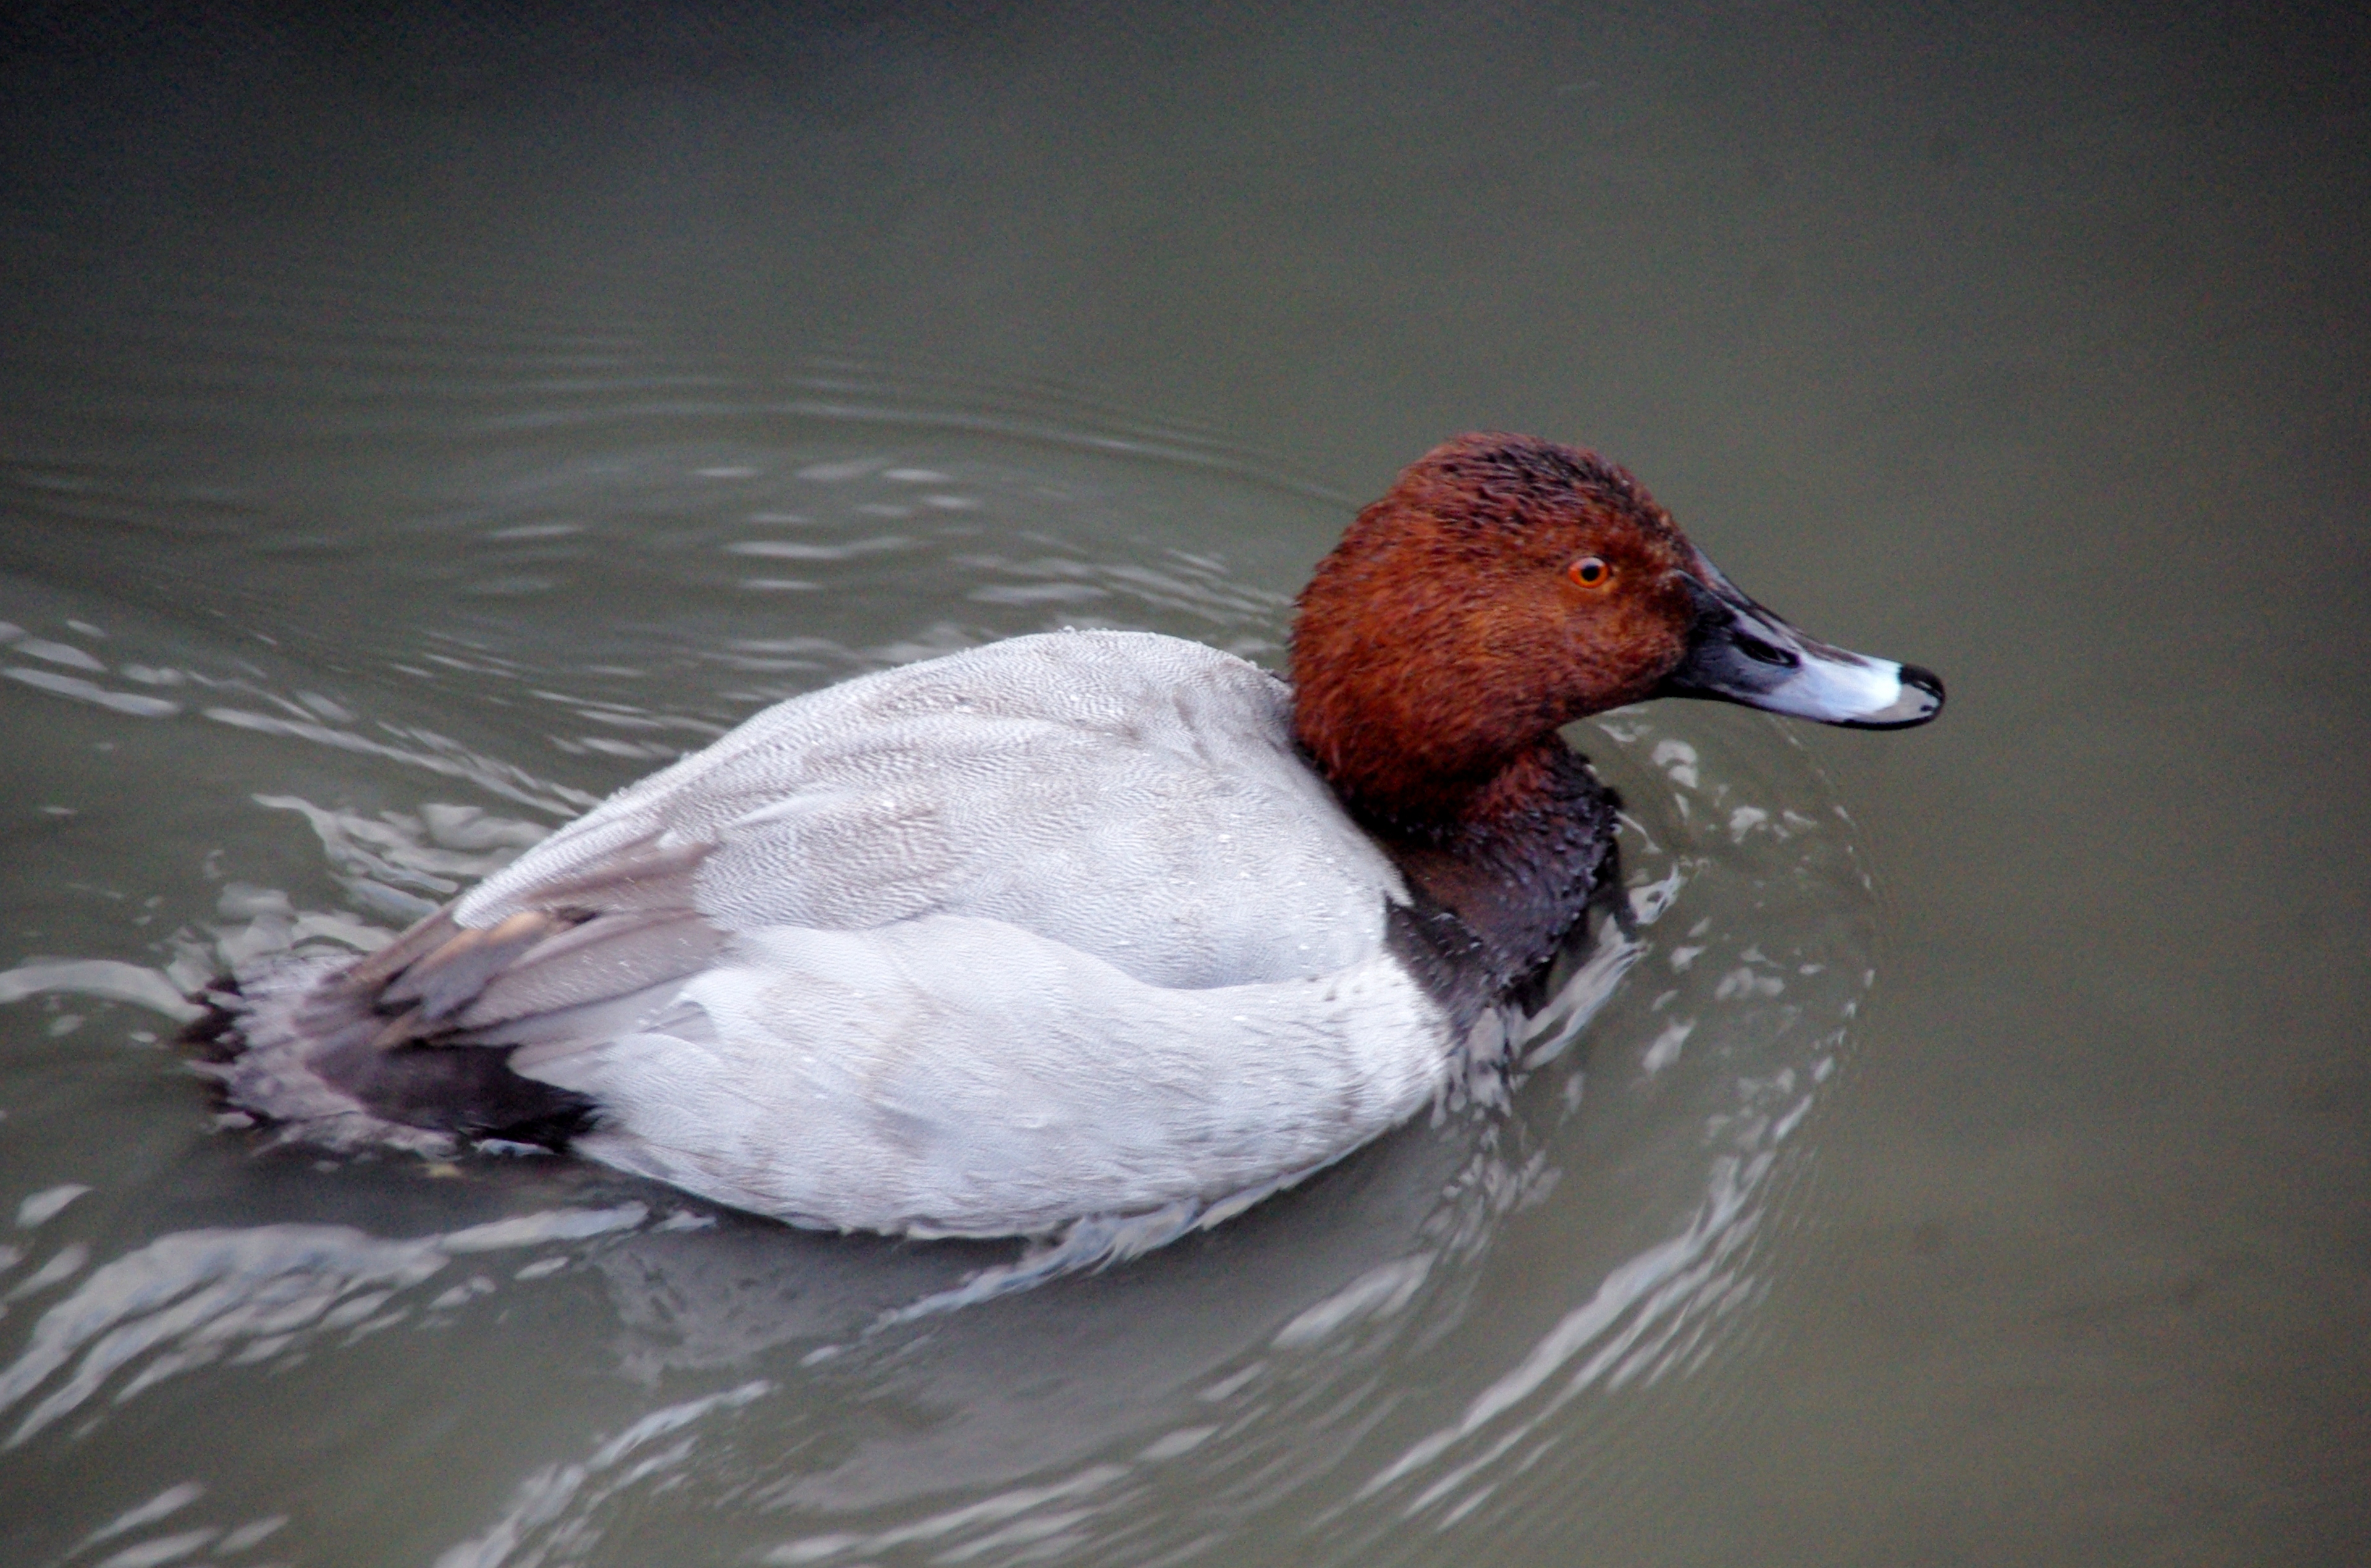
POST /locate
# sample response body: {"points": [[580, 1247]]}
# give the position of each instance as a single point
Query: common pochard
{"points": [[1088, 924]]}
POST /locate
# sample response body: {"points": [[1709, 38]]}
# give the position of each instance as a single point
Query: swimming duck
{"points": [[1089, 924]]}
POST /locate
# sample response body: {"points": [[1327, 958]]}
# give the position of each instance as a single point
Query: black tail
{"points": [[299, 1048]]}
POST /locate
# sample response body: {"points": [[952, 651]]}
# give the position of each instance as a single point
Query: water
{"points": [[415, 429]]}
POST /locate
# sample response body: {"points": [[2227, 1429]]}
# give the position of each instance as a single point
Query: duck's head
{"points": [[1508, 586]]}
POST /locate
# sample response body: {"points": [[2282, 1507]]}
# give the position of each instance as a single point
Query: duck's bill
{"points": [[1739, 652]]}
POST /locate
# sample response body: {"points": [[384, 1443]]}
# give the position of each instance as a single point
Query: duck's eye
{"points": [[1591, 571]]}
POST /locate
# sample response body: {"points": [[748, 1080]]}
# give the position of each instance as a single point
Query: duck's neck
{"points": [[1501, 876]]}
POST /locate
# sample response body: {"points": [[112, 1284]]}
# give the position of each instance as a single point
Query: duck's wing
{"points": [[1132, 800], [1135, 797]]}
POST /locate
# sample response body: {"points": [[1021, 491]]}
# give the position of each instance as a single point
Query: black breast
{"points": [[1495, 901]]}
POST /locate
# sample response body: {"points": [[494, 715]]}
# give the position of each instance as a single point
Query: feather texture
{"points": [[1063, 925]]}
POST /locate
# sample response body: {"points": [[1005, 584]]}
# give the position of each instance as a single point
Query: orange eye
{"points": [[1591, 571]]}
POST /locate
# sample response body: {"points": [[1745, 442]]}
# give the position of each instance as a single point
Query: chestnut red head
{"points": [[1507, 585]]}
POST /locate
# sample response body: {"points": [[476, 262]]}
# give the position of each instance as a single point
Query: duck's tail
{"points": [[302, 1047]]}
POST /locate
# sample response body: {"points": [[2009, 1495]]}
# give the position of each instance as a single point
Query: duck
{"points": [[1087, 924]]}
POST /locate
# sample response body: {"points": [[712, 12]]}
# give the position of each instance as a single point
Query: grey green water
{"points": [[414, 426]]}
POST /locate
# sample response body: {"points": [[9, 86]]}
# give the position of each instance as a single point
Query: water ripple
{"points": [[250, 1295]]}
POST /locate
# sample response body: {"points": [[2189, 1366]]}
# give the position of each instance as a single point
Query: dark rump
{"points": [[331, 1069]]}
